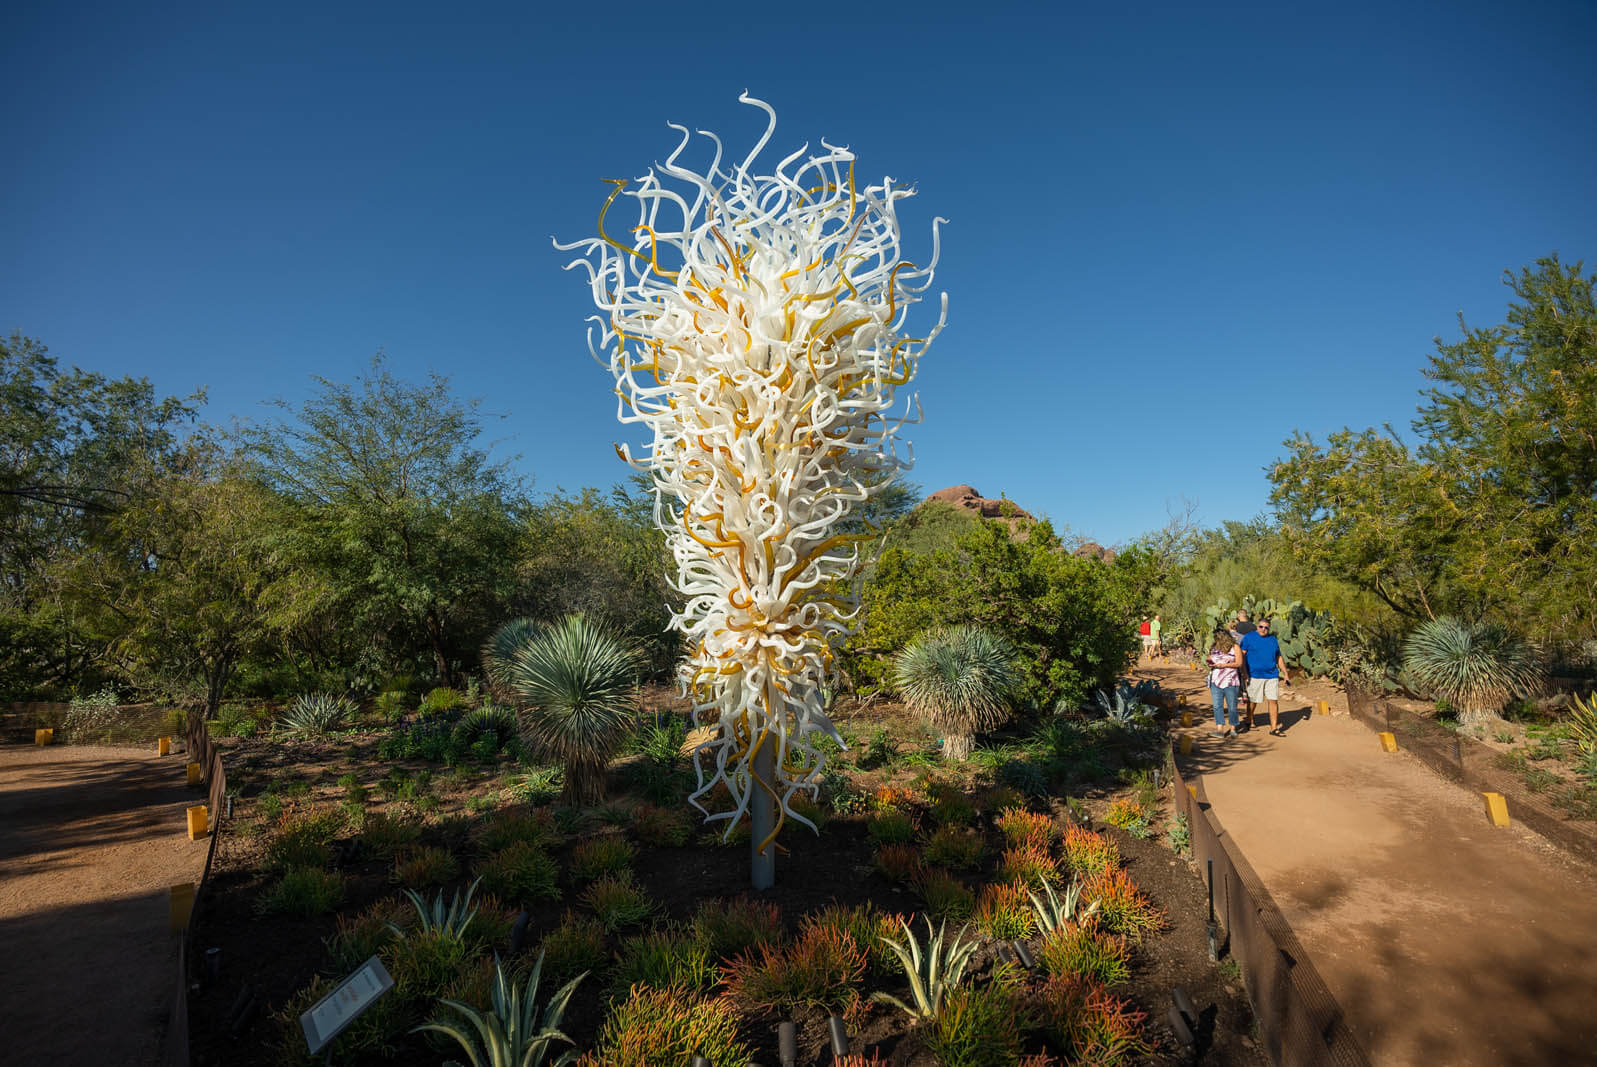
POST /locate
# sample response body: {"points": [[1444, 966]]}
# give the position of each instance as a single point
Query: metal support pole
{"points": [[762, 818]]}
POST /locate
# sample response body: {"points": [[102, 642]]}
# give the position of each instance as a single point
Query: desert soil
{"points": [[1443, 938], [91, 840]]}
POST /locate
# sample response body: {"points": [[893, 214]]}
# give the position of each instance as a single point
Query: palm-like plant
{"points": [[573, 685], [1475, 666], [958, 679], [511, 1035]]}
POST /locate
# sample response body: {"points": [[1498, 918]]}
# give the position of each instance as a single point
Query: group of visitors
{"points": [[1245, 670], [1152, 632]]}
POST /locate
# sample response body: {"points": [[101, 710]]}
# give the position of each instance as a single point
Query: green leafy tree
{"points": [[1495, 510], [397, 522]]}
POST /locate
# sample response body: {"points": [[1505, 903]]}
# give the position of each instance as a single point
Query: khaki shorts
{"points": [[1147, 640], [1260, 689]]}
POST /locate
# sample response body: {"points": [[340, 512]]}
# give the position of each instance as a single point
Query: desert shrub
{"points": [[316, 714], [1127, 813], [93, 717], [960, 680], [661, 826], [891, 827], [975, 1028], [945, 896], [510, 828], [1024, 776], [811, 809], [1085, 951], [359, 937], [354, 792], [1023, 829], [303, 892], [878, 751], [1089, 853], [425, 964], [441, 701], [1003, 911], [820, 968], [671, 958], [1474, 666], [575, 946], [617, 902], [383, 835], [661, 1028], [489, 721], [950, 805], [234, 720], [868, 927], [1122, 907], [426, 866], [491, 924], [956, 848], [899, 863], [520, 872], [1028, 865], [730, 927], [600, 856], [574, 684], [304, 841], [1001, 798], [389, 706], [1090, 1024]]}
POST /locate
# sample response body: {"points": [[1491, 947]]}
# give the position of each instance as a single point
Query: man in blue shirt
{"points": [[1262, 652]]}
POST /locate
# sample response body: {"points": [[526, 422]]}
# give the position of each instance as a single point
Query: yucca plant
{"points": [[1475, 666], [512, 1034], [1583, 725], [314, 714], [1055, 914], [435, 918], [959, 680], [573, 684], [932, 974]]}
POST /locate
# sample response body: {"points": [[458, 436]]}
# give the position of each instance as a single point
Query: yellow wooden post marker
{"points": [[43, 737], [163, 746], [1193, 790], [1324, 708], [1186, 744], [1388, 742], [197, 822], [1496, 808], [1186, 718], [182, 902], [194, 774]]}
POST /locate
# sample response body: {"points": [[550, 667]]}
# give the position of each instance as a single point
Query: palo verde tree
{"points": [[1495, 508], [398, 523]]}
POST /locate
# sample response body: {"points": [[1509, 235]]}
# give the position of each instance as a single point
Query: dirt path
{"points": [[1444, 939], [91, 840]]}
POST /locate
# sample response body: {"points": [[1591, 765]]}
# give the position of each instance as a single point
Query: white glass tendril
{"points": [[755, 323]]}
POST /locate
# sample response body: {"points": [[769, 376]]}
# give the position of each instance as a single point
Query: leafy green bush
{"points": [[729, 927], [441, 702], [945, 896], [617, 902], [575, 946], [669, 958], [235, 720], [976, 1028], [303, 892], [891, 827], [303, 841], [600, 856], [520, 872], [390, 706], [661, 1028]]}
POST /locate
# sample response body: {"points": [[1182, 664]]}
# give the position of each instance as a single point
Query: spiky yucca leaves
{"points": [[1055, 914], [932, 974], [314, 714], [573, 684], [959, 680], [448, 922], [1476, 666], [512, 1034], [1583, 725]]}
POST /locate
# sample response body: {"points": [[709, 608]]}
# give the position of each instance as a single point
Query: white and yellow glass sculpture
{"points": [[756, 324]]}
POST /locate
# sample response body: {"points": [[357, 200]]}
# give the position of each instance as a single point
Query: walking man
{"points": [[1156, 631], [1262, 652]]}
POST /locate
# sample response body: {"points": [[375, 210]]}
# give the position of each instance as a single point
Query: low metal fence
{"points": [[1464, 760], [1300, 1023]]}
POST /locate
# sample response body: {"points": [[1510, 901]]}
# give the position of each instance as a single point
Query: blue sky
{"points": [[1175, 235]]}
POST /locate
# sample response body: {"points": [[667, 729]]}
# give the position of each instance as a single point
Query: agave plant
{"points": [[435, 918], [315, 714], [1583, 725], [959, 679], [512, 1034], [573, 684], [932, 974], [1054, 914], [1475, 666], [1124, 707]]}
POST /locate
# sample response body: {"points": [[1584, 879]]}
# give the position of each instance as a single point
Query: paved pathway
{"points": [[91, 840], [1445, 940]]}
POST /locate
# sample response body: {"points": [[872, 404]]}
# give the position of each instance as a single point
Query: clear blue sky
{"points": [[1176, 233]]}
